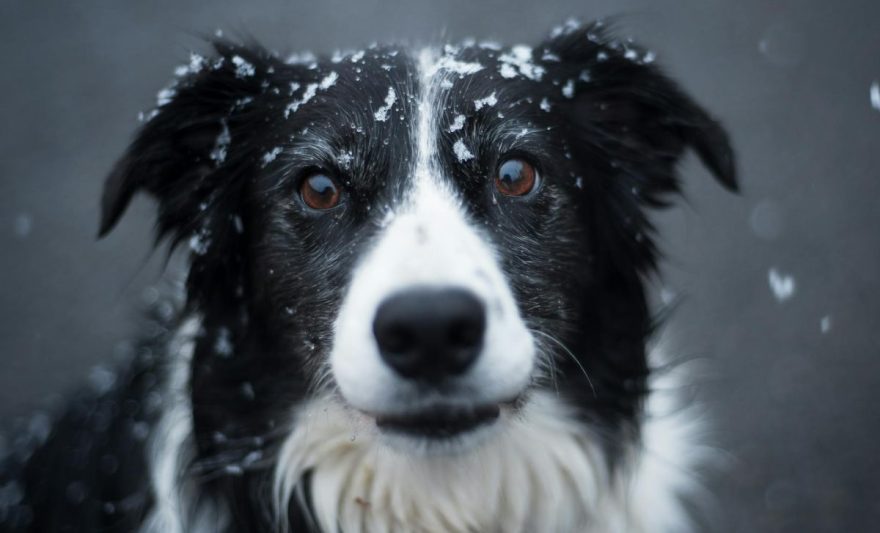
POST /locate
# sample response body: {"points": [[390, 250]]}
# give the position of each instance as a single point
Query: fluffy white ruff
{"points": [[178, 508], [543, 471]]}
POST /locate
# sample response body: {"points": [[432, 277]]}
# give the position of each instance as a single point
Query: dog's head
{"points": [[426, 238]]}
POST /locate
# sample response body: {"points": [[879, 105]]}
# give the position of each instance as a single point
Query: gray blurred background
{"points": [[792, 376]]}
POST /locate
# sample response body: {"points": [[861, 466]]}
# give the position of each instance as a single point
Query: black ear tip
{"points": [[104, 228], [713, 146], [724, 169], [117, 194]]}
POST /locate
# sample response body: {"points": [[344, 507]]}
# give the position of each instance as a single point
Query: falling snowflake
{"points": [[782, 285], [875, 95]]}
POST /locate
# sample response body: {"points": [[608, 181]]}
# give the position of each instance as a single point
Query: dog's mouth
{"points": [[440, 422]]}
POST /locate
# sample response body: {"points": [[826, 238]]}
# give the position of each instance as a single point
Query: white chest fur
{"points": [[542, 472]]}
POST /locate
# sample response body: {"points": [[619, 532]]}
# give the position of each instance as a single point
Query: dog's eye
{"points": [[320, 191], [516, 177]]}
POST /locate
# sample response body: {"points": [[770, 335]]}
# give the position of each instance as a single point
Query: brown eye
{"points": [[516, 177], [320, 191]]}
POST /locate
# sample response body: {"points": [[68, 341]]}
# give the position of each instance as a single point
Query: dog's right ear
{"points": [[182, 153]]}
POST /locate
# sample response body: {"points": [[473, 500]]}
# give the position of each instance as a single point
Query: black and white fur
{"points": [[252, 407]]}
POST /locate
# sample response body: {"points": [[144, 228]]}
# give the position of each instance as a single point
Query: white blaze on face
{"points": [[429, 242]]}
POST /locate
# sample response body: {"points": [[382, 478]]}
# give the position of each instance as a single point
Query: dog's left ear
{"points": [[620, 105], [184, 153], [196, 154]]}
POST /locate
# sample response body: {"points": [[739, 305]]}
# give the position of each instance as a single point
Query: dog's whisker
{"points": [[570, 354]]}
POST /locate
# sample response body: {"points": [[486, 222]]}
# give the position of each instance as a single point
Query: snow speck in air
{"points": [[457, 123], [825, 324], [875, 95], [461, 151], [223, 345], [571, 25], [766, 220], [243, 68], [233, 470], [270, 156], [783, 44], [544, 105], [239, 225], [221, 145], [579, 182], [585, 76], [519, 61], [490, 100], [22, 225], [381, 114], [101, 379], [568, 89], [602, 56], [199, 243], [782, 285]]}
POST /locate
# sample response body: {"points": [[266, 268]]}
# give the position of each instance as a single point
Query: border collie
{"points": [[415, 301]]}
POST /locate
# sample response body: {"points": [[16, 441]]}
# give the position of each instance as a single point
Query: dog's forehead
{"points": [[378, 97], [381, 84]]}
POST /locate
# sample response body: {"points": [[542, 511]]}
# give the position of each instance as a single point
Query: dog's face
{"points": [[428, 239]]}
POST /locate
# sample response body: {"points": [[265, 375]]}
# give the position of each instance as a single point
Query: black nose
{"points": [[429, 333]]}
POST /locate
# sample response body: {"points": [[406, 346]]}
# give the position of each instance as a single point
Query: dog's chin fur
{"points": [[491, 482]]}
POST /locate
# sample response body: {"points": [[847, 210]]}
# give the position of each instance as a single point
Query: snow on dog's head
{"points": [[434, 256]]}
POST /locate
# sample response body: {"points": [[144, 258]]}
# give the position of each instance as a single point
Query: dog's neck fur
{"points": [[542, 472]]}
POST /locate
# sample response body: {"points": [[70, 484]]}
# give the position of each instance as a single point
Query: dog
{"points": [[415, 301]]}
